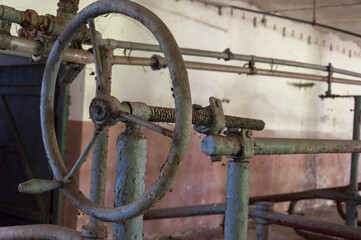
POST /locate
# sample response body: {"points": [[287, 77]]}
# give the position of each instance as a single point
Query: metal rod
{"points": [[36, 48], [236, 214], [268, 146], [147, 124], [223, 55], [83, 156], [167, 115], [231, 145], [24, 156], [139, 61], [262, 224], [40, 232], [95, 227], [335, 193], [351, 207], [96, 53], [331, 229], [84, 57], [129, 179]]}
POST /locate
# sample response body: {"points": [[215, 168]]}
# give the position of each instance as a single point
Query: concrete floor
{"points": [[276, 232]]}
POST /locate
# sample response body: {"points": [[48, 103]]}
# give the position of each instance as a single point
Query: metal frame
{"points": [[239, 145]]}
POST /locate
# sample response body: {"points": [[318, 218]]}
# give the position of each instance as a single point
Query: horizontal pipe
{"points": [[36, 48], [272, 217], [269, 146], [84, 57], [224, 55], [298, 222], [140, 61], [40, 231], [232, 146], [334, 193]]}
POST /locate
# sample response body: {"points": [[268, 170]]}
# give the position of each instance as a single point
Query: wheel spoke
{"points": [[147, 124], [96, 53], [84, 154]]}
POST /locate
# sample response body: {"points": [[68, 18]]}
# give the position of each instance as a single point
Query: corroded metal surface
{"points": [[182, 102], [351, 207], [129, 179], [39, 232], [236, 212], [232, 145], [331, 229], [223, 55], [262, 224]]}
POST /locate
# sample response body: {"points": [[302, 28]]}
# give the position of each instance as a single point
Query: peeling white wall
{"points": [[284, 108]]}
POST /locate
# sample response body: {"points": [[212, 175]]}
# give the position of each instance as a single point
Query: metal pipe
{"points": [[139, 61], [98, 66], [84, 57], [236, 212], [167, 115], [331, 229], [95, 227], [47, 24], [129, 179], [37, 48], [189, 211], [83, 156], [268, 146], [262, 224], [336, 193], [40, 232], [232, 145], [351, 207], [223, 55]]}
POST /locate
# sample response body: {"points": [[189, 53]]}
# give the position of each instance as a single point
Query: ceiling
{"points": [[342, 14]]}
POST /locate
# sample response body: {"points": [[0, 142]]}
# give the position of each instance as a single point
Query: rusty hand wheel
{"points": [[182, 104]]}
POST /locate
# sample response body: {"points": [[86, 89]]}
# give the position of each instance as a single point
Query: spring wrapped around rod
{"points": [[162, 114]]}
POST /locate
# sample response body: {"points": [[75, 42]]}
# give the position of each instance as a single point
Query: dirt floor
{"points": [[276, 232]]}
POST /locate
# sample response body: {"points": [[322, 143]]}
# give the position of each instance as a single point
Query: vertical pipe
{"points": [[96, 228], [129, 179], [351, 207], [237, 200], [263, 224]]}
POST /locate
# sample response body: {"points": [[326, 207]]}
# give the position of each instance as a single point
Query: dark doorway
{"points": [[22, 154]]}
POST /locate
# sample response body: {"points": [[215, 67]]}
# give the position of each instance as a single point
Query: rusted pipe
{"points": [[36, 48], [224, 55], [140, 61], [39, 232], [331, 229], [231, 145]]}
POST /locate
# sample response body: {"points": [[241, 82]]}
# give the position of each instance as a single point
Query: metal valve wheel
{"points": [[181, 93]]}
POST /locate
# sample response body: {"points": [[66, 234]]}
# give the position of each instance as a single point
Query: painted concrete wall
{"points": [[288, 111]]}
